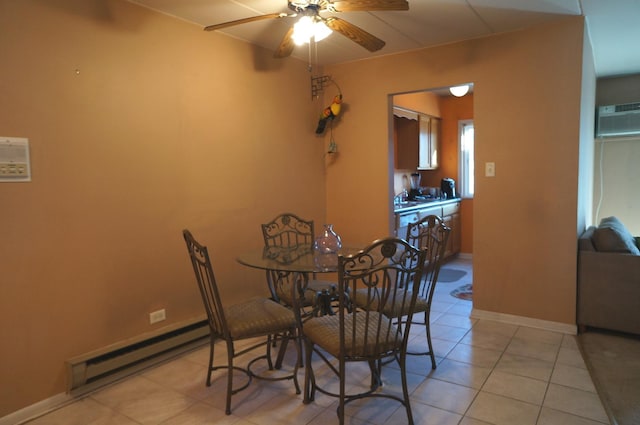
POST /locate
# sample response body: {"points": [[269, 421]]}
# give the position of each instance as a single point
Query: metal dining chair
{"points": [[431, 233], [257, 317], [290, 233], [376, 275]]}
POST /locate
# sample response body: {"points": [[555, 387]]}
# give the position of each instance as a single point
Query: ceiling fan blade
{"points": [[286, 45], [360, 36], [246, 20], [366, 5]]}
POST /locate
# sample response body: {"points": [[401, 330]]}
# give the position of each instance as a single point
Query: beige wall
{"points": [[423, 101], [163, 127], [527, 103]]}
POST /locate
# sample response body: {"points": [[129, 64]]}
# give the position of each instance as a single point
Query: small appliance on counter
{"points": [[448, 188], [415, 191]]}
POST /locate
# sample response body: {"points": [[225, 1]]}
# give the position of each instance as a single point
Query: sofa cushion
{"points": [[612, 236]]}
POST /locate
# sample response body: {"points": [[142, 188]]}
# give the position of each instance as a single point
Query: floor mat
{"points": [[464, 292], [614, 363], [450, 275]]}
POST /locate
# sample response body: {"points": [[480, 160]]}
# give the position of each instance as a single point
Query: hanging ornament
{"points": [[329, 113], [333, 146]]}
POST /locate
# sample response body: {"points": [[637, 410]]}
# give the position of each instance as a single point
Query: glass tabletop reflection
{"points": [[295, 259]]}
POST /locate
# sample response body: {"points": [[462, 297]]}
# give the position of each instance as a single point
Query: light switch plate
{"points": [[490, 169]]}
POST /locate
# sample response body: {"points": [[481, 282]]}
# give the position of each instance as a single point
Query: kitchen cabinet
{"points": [[403, 219], [417, 139], [428, 141], [407, 143], [451, 218], [449, 211]]}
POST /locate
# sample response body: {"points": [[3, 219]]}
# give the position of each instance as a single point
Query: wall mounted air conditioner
{"points": [[618, 120]]}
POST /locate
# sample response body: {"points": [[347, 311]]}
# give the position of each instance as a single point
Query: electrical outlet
{"points": [[157, 316]]}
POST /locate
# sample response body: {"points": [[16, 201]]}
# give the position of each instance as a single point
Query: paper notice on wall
{"points": [[14, 159]]}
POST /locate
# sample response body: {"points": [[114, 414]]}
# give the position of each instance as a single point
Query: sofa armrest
{"points": [[584, 241], [609, 291]]}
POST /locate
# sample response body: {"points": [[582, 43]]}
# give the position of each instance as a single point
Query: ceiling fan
{"points": [[309, 11]]}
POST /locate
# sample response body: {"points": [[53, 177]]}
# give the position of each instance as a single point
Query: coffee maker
{"points": [[414, 192], [448, 188]]}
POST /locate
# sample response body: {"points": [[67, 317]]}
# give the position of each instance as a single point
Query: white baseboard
{"points": [[37, 409], [564, 328]]}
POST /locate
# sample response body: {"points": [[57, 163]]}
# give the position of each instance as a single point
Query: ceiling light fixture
{"points": [[459, 91], [309, 27]]}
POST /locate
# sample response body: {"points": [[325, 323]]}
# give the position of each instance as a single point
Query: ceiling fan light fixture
{"points": [[459, 91], [307, 28], [322, 31]]}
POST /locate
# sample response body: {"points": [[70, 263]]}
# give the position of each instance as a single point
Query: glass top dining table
{"points": [[301, 259]]}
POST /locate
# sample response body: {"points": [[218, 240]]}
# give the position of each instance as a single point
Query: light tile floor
{"points": [[488, 373]]}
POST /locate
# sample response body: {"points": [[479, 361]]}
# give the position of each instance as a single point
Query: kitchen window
{"points": [[466, 177]]}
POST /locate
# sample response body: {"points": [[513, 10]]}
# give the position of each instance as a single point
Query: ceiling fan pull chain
{"points": [[315, 51]]}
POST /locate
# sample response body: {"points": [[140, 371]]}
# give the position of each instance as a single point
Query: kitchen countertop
{"points": [[416, 205]]}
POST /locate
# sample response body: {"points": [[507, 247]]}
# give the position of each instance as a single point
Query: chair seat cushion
{"points": [[324, 331], [397, 308], [257, 317]]}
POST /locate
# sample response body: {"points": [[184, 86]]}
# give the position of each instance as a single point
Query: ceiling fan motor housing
{"points": [[304, 7]]}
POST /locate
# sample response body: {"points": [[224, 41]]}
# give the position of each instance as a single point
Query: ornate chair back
{"points": [[431, 233], [207, 284], [292, 236], [370, 283], [288, 231]]}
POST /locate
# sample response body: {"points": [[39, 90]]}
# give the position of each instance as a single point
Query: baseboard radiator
{"points": [[100, 367]]}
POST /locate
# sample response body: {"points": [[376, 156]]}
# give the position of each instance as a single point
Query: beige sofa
{"points": [[609, 278]]}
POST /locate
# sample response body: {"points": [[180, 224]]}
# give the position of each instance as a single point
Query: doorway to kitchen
{"points": [[448, 135]]}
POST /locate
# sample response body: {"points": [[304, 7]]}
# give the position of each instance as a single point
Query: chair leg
{"points": [[282, 351], [270, 338], [375, 366], [299, 342], [429, 344], [293, 334], [210, 368], [229, 376], [343, 392], [309, 379], [405, 388]]}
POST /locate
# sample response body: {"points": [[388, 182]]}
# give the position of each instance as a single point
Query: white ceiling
{"points": [[614, 25]]}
